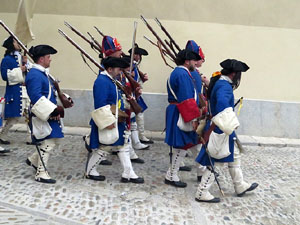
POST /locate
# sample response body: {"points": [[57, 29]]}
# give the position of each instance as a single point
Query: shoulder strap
{"points": [[49, 94], [169, 85]]}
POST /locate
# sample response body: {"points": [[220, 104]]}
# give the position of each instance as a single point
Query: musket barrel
{"points": [[82, 36], [158, 38], [99, 31], [16, 38], [172, 41], [80, 49]]}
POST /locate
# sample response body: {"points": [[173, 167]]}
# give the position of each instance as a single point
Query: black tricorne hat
{"points": [[41, 50], [233, 65], [188, 55], [138, 50], [114, 62], [8, 43]]}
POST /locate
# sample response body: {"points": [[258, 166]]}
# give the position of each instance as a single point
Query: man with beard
{"points": [[221, 147], [112, 48], [106, 128], [200, 82], [182, 113]]}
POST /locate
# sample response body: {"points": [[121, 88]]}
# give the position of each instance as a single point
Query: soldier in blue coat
{"points": [[45, 113], [182, 113], [106, 129], [200, 82], [138, 126], [12, 70], [221, 145]]}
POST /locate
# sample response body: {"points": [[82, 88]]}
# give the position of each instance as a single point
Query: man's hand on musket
{"points": [[58, 113], [132, 73], [66, 101], [139, 90], [23, 68], [24, 59], [130, 98], [110, 127], [146, 77]]}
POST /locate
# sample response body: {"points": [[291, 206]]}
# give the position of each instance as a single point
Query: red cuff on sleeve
{"points": [[188, 109]]}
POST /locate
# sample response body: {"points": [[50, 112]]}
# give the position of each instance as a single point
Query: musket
{"points": [[95, 41], [26, 51], [167, 33], [148, 39], [135, 86], [93, 45], [142, 75], [99, 31], [162, 55], [159, 39], [134, 105], [171, 46], [133, 45]]}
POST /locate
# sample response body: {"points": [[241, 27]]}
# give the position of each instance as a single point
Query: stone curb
{"points": [[159, 136]]}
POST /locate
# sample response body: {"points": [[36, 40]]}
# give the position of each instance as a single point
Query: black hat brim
{"points": [[42, 50], [113, 62], [138, 51], [234, 65]]}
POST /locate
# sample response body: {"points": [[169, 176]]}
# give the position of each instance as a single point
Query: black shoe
{"points": [[4, 151], [146, 148], [147, 142], [214, 200], [46, 181], [4, 142], [114, 153], [138, 180], [30, 164], [251, 188], [185, 168], [199, 178], [178, 184], [138, 160], [105, 162], [97, 178]]}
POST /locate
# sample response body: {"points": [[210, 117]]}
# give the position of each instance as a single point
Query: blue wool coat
{"points": [[37, 84], [221, 98], [13, 100], [197, 81], [140, 100], [183, 86], [104, 92]]}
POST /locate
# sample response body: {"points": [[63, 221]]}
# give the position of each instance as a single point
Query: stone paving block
{"points": [[74, 200]]}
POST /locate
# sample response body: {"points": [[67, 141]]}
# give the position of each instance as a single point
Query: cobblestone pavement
{"points": [[74, 200]]}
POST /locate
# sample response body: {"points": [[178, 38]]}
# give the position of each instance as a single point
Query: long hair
{"points": [[211, 85], [9, 51]]}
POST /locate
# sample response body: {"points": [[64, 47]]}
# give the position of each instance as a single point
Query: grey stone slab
{"points": [[82, 201]]}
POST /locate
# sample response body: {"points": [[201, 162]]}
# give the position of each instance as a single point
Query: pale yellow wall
{"points": [[265, 34]]}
